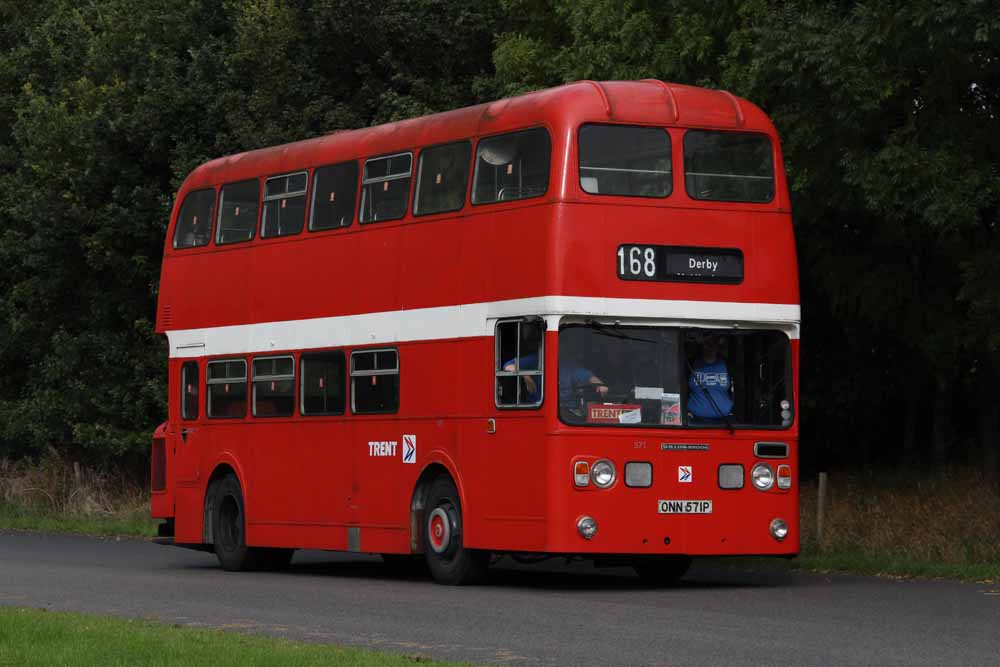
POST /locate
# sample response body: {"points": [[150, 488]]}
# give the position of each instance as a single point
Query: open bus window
{"points": [[226, 384], [189, 390], [194, 222], [442, 176], [273, 387], [386, 187], [374, 381], [512, 166], [668, 376], [238, 211], [742, 377], [519, 363], [334, 193], [284, 205], [322, 388], [728, 166], [621, 160]]}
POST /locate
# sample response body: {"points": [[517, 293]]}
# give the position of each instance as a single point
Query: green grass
{"points": [[38, 637], [125, 524]]}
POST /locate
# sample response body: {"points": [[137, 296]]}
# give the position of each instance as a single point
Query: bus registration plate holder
{"points": [[684, 506]]}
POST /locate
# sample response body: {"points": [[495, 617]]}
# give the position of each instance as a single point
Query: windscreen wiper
{"points": [[603, 330]]}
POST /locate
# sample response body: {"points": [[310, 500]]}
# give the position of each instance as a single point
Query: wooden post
{"points": [[76, 471], [820, 510]]}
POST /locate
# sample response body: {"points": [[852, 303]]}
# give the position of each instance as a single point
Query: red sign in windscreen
{"points": [[613, 413]]}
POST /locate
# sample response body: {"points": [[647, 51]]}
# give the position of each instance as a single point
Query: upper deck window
{"points": [[194, 223], [728, 166], [335, 190], [238, 211], [441, 178], [629, 161], [386, 187], [284, 205], [512, 166]]}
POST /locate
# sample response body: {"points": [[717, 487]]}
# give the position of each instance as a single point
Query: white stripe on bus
{"points": [[468, 321]]}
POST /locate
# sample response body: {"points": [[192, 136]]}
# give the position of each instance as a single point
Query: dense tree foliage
{"points": [[888, 113]]}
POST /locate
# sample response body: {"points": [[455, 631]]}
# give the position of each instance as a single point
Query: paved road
{"points": [[553, 615]]}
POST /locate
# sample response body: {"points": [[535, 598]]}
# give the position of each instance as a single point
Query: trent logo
{"points": [[684, 474]]}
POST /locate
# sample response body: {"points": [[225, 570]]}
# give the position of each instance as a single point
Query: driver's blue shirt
{"points": [[571, 375], [708, 390]]}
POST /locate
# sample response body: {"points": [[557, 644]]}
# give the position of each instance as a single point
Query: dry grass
{"points": [[53, 493], [950, 520]]}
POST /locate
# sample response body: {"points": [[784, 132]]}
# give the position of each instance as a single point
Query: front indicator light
{"points": [[603, 473], [784, 477], [587, 527], [638, 474], [779, 529], [581, 473], [762, 476], [730, 476]]}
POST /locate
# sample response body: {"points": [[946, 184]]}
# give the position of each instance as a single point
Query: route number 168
{"points": [[636, 261]]}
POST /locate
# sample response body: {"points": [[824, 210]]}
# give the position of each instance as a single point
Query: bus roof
{"points": [[647, 102]]}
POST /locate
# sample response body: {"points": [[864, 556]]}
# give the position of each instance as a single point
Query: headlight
{"points": [[587, 527], [779, 529], [603, 473], [762, 476], [638, 474]]}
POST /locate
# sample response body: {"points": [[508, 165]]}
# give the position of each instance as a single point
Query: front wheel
{"points": [[447, 558]]}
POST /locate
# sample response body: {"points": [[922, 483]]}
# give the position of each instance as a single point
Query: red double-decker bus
{"points": [[564, 323]]}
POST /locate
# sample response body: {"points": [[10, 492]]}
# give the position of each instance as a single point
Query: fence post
{"points": [[820, 510]]}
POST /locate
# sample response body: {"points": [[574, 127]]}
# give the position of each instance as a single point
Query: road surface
{"points": [[541, 615]]}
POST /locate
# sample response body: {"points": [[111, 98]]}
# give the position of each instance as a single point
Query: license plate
{"points": [[684, 506]]}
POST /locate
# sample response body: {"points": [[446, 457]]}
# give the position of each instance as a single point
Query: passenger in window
{"points": [[710, 388], [531, 339]]}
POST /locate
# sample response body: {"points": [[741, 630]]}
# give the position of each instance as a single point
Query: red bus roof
{"points": [[647, 102]]}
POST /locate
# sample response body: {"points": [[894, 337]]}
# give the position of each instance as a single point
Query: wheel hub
{"points": [[439, 530]]}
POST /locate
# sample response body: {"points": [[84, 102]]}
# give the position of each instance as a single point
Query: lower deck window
{"points": [[374, 381], [322, 387], [273, 387], [227, 388]]}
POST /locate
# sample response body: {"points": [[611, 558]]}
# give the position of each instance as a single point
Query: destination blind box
{"points": [[667, 263]]}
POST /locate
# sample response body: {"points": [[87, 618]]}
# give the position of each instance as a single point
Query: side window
{"points": [[273, 387], [237, 212], [622, 160], [512, 166], [322, 385], [519, 364], [284, 205], [226, 384], [194, 222], [189, 390], [334, 191], [386, 187], [374, 381], [442, 175]]}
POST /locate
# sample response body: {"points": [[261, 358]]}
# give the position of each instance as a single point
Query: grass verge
{"points": [[38, 637]]}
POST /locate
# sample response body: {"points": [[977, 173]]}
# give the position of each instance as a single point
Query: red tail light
{"points": [[158, 465]]}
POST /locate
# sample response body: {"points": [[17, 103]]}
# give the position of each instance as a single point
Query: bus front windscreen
{"points": [[670, 377]]}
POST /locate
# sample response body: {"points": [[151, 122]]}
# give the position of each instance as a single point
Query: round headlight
{"points": [[779, 529], [762, 476], [603, 473]]}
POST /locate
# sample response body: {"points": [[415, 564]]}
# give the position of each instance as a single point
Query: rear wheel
{"points": [[229, 526], [229, 532], [447, 558], [659, 572]]}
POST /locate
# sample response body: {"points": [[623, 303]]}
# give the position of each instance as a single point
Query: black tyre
{"points": [[447, 558], [229, 526], [663, 571]]}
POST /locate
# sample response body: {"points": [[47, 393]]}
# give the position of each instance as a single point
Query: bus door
{"points": [[185, 437], [515, 459]]}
